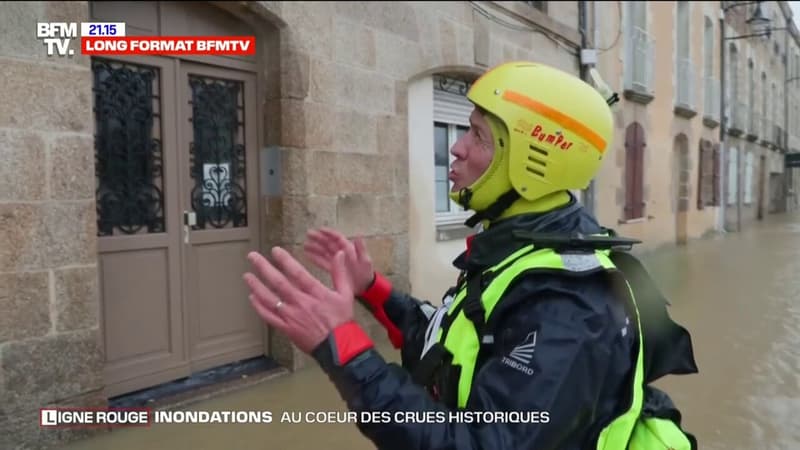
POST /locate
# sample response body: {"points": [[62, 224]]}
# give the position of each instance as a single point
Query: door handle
{"points": [[189, 220]]}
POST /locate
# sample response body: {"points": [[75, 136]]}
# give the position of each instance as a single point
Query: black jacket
{"points": [[581, 366]]}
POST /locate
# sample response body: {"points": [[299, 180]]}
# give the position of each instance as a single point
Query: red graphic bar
{"points": [[169, 45]]}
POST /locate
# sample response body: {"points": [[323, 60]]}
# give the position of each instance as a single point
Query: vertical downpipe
{"points": [[724, 153], [588, 193]]}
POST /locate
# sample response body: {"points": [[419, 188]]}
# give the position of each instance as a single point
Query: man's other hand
{"points": [[290, 299], [323, 244]]}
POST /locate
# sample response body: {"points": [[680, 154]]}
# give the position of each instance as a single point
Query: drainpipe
{"points": [[722, 142], [785, 205], [583, 16]]}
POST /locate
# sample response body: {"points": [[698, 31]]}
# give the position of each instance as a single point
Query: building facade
{"points": [[761, 110], [133, 187], [664, 60]]}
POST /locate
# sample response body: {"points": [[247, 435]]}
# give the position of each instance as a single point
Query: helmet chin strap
{"points": [[493, 211], [464, 197]]}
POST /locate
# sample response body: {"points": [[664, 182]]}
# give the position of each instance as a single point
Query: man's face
{"points": [[473, 152]]}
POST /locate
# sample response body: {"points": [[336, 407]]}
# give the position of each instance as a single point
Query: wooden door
{"points": [[218, 160], [138, 222]]}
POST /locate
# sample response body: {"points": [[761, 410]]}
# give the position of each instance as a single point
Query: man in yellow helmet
{"points": [[539, 322]]}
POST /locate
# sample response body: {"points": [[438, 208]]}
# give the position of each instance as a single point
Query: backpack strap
{"points": [[473, 306]]}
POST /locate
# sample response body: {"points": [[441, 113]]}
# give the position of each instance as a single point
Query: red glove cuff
{"points": [[378, 292], [349, 341], [395, 335], [375, 296]]}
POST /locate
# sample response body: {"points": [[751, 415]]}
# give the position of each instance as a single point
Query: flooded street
{"points": [[738, 294]]}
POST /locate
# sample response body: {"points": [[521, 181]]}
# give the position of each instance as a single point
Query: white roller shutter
{"points": [[451, 108]]}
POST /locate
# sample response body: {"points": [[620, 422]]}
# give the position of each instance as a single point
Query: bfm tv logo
{"points": [[94, 417], [56, 36]]}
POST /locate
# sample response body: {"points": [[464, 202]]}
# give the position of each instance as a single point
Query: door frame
{"points": [[170, 70], [178, 365], [252, 167]]}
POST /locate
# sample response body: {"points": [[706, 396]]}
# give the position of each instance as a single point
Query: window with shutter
{"points": [[709, 197], [451, 111], [733, 175], [634, 172], [708, 175], [701, 177], [715, 197], [748, 179]]}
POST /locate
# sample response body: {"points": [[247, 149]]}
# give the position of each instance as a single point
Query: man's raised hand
{"points": [[322, 246]]}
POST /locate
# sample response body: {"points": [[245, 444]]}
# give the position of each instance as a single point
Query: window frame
{"points": [[733, 176], [708, 174], [453, 111], [456, 215], [708, 47], [751, 95], [635, 205], [765, 105], [748, 179]]}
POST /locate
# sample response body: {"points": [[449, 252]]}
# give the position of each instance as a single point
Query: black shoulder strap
{"points": [[473, 306]]}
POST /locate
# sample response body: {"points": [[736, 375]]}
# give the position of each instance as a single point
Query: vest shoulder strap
{"points": [[480, 302], [473, 304]]}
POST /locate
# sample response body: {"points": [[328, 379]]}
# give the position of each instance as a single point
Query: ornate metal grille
{"points": [[219, 196], [452, 84], [128, 155]]}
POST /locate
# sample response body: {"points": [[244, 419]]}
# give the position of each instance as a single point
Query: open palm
{"points": [[323, 245]]}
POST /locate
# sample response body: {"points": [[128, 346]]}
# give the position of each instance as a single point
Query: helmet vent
{"points": [[537, 161], [535, 171], [538, 157], [539, 150]]}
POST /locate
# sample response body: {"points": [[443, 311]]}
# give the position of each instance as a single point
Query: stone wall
{"points": [[343, 133], [49, 327]]}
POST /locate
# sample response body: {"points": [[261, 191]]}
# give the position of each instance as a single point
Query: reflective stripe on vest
{"points": [[463, 342]]}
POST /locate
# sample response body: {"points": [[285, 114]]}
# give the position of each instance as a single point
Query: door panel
{"points": [[219, 188], [138, 234], [137, 297], [225, 327]]}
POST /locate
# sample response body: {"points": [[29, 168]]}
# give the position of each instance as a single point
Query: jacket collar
{"points": [[490, 247]]}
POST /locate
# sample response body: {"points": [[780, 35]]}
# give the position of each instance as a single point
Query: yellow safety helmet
{"points": [[550, 129]]}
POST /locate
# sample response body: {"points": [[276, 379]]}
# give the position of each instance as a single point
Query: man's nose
{"points": [[459, 149]]}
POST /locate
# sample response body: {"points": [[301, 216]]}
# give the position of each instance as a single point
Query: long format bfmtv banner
{"points": [[109, 39], [168, 45]]}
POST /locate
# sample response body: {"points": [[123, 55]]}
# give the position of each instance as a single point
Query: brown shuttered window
{"points": [[701, 176], [708, 178], [704, 176], [634, 171], [715, 197]]}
